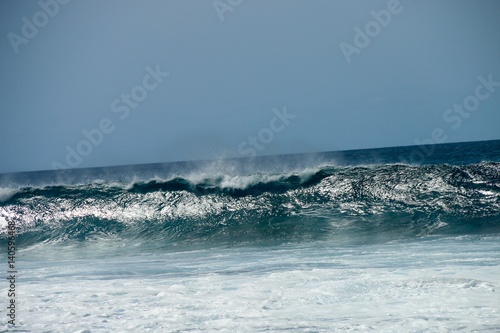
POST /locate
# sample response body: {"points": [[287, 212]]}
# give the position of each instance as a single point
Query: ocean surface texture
{"points": [[400, 239]]}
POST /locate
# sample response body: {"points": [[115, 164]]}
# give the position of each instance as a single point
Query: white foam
{"points": [[3, 223], [294, 288]]}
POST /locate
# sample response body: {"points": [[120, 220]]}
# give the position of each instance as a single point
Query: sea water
{"points": [[334, 242]]}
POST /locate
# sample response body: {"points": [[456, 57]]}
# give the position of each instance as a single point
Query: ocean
{"points": [[402, 239]]}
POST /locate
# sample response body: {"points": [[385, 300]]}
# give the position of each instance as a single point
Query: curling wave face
{"points": [[387, 201]]}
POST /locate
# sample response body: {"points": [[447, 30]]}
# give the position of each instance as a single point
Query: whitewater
{"points": [[333, 242]]}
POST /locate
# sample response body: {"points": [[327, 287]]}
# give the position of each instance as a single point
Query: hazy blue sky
{"points": [[70, 67]]}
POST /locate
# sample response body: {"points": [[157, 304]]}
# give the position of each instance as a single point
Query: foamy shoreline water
{"points": [[433, 285]]}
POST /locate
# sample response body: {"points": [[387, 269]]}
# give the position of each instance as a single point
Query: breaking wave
{"points": [[388, 201]]}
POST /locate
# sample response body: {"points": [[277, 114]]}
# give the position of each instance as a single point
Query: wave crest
{"points": [[328, 201]]}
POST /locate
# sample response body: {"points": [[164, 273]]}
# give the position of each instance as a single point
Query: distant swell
{"points": [[383, 201]]}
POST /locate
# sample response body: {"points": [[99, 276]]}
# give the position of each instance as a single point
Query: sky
{"points": [[116, 82]]}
